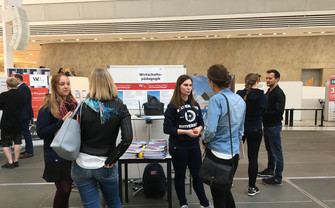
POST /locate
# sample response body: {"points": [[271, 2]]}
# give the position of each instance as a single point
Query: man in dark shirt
{"points": [[27, 115], [11, 102], [272, 118]]}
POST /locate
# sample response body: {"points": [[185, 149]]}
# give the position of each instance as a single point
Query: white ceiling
{"points": [[213, 27]]}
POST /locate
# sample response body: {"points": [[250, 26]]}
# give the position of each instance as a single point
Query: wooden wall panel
{"points": [[288, 55]]}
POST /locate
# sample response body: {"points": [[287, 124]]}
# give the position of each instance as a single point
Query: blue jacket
{"points": [[46, 127], [27, 110], [217, 126]]}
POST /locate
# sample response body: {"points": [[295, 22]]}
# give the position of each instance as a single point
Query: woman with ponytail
{"points": [[256, 102]]}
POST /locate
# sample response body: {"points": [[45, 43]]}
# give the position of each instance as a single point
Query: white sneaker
{"points": [[209, 206], [184, 206]]}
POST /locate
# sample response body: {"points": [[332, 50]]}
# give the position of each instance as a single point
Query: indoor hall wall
{"points": [[289, 55], [40, 11]]}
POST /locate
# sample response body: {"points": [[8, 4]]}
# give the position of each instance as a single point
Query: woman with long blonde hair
{"points": [[57, 107], [103, 115]]}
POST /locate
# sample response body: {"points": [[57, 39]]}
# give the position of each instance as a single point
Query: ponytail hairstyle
{"points": [[250, 80]]}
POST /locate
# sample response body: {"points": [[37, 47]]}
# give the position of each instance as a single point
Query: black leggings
{"points": [[254, 139], [223, 198], [62, 193]]}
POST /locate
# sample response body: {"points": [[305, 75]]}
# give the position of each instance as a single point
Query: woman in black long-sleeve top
{"points": [[103, 115], [183, 122], [256, 102]]}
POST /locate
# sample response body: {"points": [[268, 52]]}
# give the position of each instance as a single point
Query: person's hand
{"points": [[68, 115], [191, 133], [203, 144], [109, 166], [197, 130]]}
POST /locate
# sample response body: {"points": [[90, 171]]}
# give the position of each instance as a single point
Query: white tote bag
{"points": [[67, 140]]}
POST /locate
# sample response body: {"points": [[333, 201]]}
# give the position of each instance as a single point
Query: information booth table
{"points": [[167, 160]]}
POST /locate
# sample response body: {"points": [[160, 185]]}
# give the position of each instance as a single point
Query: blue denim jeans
{"points": [[87, 181], [273, 147], [27, 136]]}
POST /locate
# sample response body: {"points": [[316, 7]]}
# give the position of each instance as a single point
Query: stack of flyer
{"points": [[134, 149], [155, 149]]}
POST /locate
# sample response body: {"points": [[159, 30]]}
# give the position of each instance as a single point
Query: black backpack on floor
{"points": [[154, 181]]}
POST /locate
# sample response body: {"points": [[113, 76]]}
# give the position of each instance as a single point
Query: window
{"points": [[311, 77]]}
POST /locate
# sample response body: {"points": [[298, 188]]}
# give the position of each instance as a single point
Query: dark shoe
{"points": [[22, 153], [271, 181], [16, 164], [252, 191], [265, 173], [26, 155], [8, 165]]}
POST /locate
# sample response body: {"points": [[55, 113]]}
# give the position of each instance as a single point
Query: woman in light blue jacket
{"points": [[216, 134]]}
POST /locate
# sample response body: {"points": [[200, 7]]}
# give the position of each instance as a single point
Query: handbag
{"points": [[214, 174], [67, 140], [153, 107]]}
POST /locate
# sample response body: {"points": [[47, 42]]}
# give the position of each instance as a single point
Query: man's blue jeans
{"points": [[27, 136], [87, 181], [273, 146]]}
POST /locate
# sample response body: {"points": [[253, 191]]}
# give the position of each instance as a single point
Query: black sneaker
{"points": [[265, 173], [252, 191], [271, 181], [16, 164], [8, 165]]}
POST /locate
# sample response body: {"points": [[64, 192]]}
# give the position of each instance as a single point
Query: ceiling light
{"points": [[95, 39], [151, 38], [31, 54], [62, 40], [216, 36], [274, 33], [284, 33], [260, 34], [120, 38], [309, 33], [77, 39], [322, 32], [144, 38], [33, 40], [207, 36]]}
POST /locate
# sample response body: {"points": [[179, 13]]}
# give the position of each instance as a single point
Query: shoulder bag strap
{"points": [[75, 111], [230, 136]]}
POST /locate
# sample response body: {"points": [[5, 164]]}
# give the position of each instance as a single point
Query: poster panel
{"points": [[135, 94], [331, 112], [38, 81], [37, 99]]}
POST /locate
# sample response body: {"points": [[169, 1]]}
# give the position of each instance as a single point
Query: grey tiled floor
{"points": [[309, 179]]}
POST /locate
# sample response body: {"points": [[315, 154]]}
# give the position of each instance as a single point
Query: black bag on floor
{"points": [[154, 181]]}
